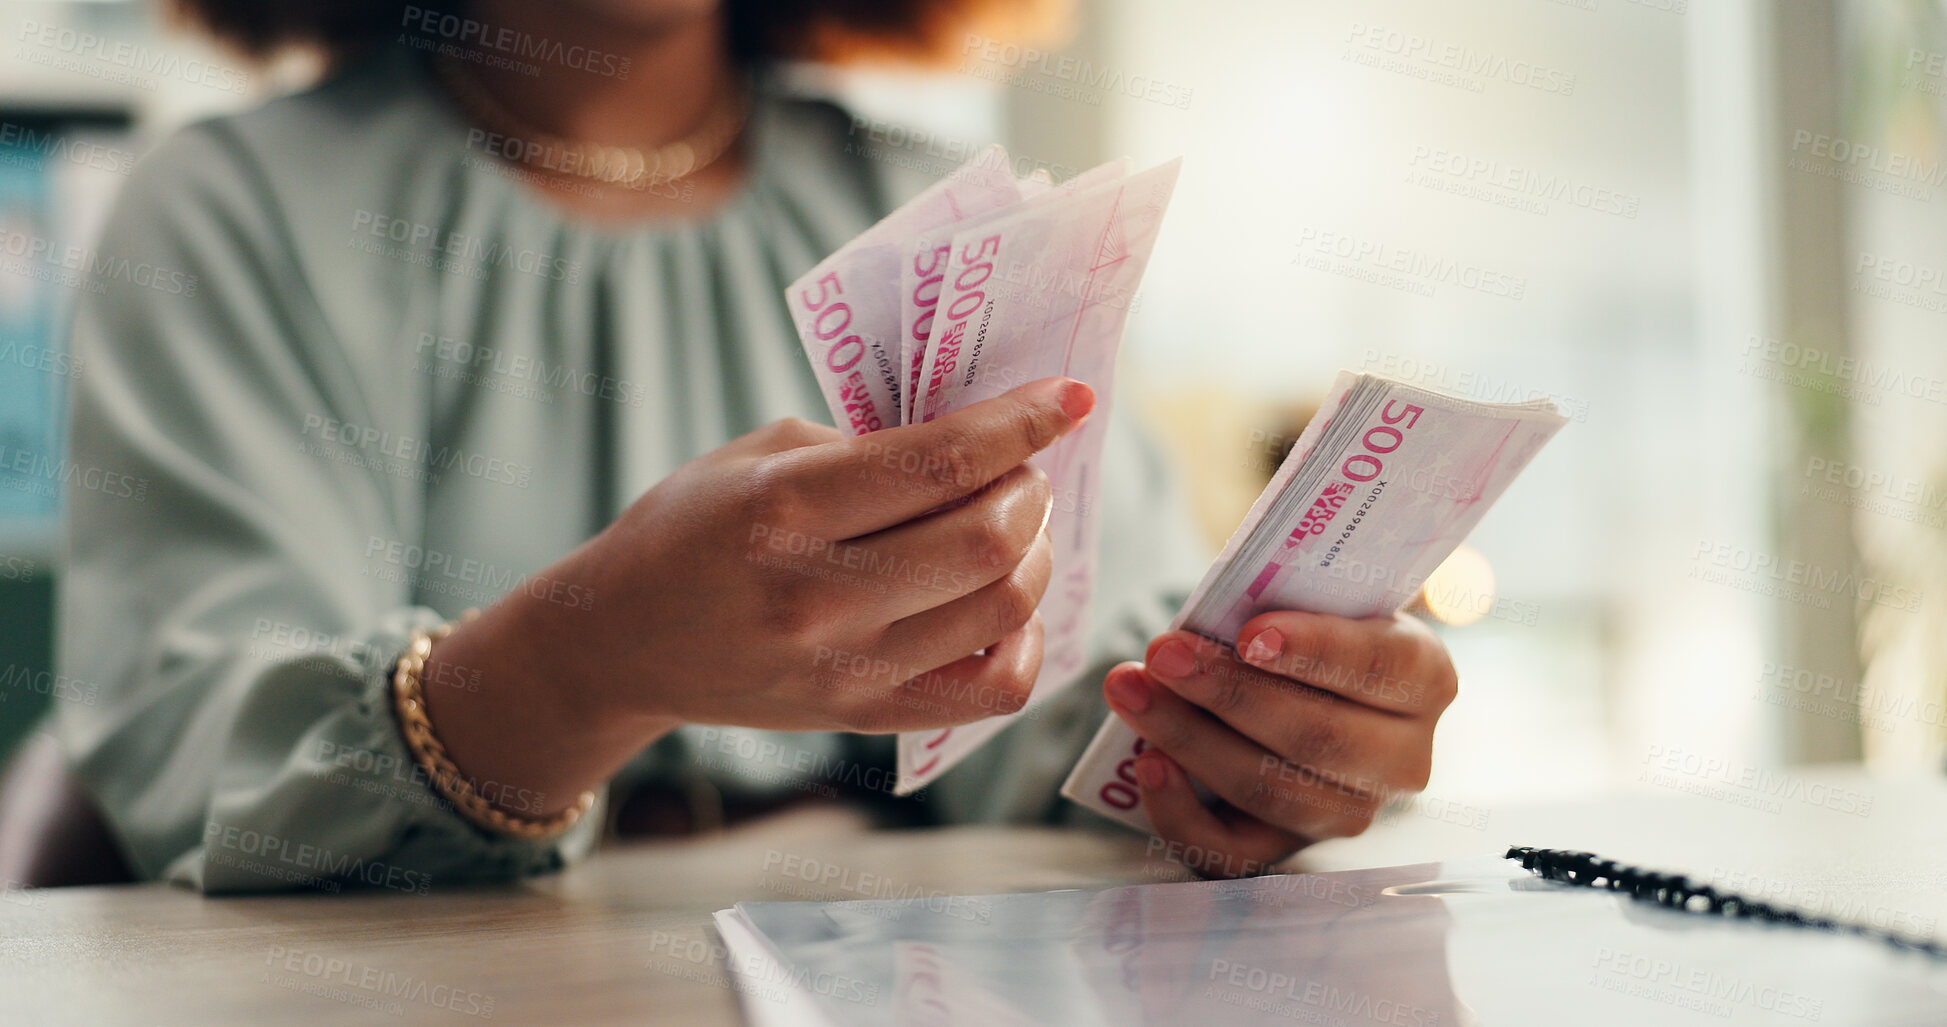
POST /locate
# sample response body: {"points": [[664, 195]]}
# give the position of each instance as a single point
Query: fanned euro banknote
{"points": [[982, 283], [1381, 486]]}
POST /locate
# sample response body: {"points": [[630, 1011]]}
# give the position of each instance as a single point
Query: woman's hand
{"points": [[1304, 732], [793, 579], [797, 579]]}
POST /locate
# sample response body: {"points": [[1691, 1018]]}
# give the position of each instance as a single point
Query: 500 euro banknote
{"points": [[846, 309], [980, 284], [922, 275], [1381, 486], [1042, 291]]}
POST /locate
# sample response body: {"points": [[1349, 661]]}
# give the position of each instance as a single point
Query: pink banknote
{"points": [[1039, 292], [981, 284], [847, 308], [1382, 485], [922, 274]]}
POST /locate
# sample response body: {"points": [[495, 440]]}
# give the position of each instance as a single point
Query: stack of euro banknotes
{"points": [[985, 282]]}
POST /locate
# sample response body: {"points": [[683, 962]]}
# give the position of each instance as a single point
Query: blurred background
{"points": [[1715, 233]]}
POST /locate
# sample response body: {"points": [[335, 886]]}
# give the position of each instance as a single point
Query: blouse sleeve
{"points": [[239, 735]]}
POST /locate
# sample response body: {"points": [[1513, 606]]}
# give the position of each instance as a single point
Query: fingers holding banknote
{"points": [[872, 482], [982, 651], [800, 580], [1393, 663], [959, 549], [1319, 724]]}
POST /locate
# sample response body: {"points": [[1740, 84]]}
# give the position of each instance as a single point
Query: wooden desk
{"points": [[625, 938]]}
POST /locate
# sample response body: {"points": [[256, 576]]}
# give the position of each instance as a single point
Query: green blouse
{"points": [[365, 379]]}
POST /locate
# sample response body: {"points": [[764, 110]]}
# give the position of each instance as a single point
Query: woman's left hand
{"points": [[1304, 732]]}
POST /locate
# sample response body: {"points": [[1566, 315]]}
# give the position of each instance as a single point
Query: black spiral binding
{"points": [[1674, 891]]}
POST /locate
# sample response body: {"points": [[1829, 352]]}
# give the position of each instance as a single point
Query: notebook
{"points": [[1479, 941]]}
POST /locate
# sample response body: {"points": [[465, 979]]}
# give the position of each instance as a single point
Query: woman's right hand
{"points": [[797, 579], [792, 579]]}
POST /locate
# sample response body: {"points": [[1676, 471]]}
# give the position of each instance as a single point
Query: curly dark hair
{"points": [[759, 30]]}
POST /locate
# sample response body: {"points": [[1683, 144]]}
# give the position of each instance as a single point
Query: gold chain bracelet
{"points": [[409, 705]]}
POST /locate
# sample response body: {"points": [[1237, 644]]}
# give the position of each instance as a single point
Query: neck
{"points": [[631, 82]]}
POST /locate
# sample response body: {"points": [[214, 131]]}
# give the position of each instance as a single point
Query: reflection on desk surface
{"points": [[627, 938], [1470, 942]]}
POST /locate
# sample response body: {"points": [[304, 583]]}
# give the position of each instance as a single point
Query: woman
{"points": [[492, 318]]}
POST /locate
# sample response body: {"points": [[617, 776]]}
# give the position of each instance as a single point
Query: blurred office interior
{"points": [[1714, 232]]}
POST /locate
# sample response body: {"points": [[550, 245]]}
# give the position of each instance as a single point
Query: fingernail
{"points": [[1151, 774], [1076, 399], [1173, 660], [1128, 691], [1265, 647]]}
